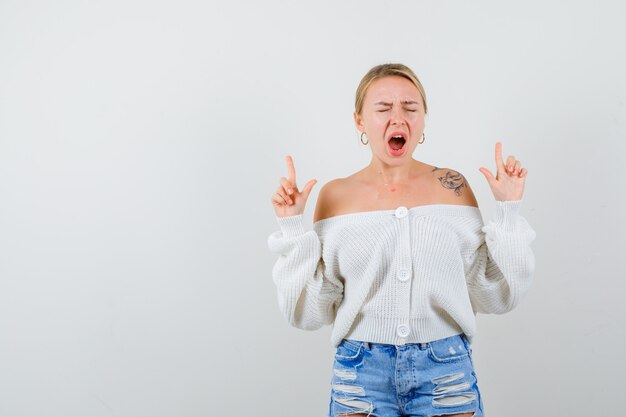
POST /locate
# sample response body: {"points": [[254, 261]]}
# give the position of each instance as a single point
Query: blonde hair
{"points": [[385, 70]]}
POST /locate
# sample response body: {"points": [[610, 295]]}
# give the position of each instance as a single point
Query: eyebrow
{"points": [[384, 103]]}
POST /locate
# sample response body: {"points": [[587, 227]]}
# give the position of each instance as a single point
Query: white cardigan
{"points": [[403, 275]]}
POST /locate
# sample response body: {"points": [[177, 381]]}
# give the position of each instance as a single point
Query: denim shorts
{"points": [[415, 379]]}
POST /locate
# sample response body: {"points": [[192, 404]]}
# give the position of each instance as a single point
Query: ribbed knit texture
{"points": [[403, 275]]}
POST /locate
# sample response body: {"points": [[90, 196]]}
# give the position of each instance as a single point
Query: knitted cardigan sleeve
{"points": [[502, 268], [307, 295]]}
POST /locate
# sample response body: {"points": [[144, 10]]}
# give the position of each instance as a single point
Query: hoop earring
{"points": [[364, 143], [423, 138]]}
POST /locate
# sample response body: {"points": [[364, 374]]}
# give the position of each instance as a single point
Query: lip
{"points": [[402, 150], [398, 133]]}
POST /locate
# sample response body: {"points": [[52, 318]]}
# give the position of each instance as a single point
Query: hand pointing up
{"points": [[288, 201], [508, 183]]}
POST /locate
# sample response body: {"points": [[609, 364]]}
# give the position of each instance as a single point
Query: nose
{"points": [[396, 117]]}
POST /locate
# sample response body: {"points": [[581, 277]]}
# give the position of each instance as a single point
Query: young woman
{"points": [[400, 262]]}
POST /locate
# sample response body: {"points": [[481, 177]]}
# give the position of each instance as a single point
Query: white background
{"points": [[140, 144]]}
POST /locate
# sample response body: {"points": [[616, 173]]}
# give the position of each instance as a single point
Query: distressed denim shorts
{"points": [[415, 379]]}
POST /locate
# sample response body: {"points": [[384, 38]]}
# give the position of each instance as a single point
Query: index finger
{"points": [[499, 162], [291, 176]]}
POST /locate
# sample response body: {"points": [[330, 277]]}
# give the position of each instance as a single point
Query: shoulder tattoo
{"points": [[452, 180]]}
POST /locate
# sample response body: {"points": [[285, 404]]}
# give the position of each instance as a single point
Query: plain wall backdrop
{"points": [[140, 144]]}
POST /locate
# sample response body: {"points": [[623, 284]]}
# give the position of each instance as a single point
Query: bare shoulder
{"points": [[453, 187], [328, 198]]}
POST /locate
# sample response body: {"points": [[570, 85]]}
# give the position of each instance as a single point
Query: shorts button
{"points": [[401, 211], [403, 330], [403, 274]]}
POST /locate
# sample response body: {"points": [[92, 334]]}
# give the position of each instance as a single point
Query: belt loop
{"points": [[466, 342], [367, 345]]}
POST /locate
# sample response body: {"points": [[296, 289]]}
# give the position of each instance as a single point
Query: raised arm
{"points": [[502, 270], [308, 295]]}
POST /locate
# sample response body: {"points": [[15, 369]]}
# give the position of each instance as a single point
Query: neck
{"points": [[383, 173]]}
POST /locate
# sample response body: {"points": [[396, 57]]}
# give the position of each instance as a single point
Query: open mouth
{"points": [[397, 142]]}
